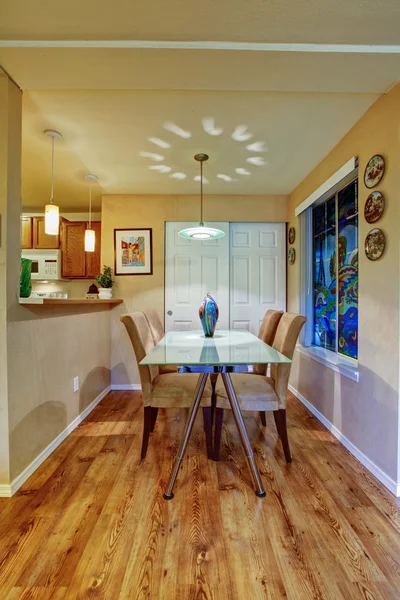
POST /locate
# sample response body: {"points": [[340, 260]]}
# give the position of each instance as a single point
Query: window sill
{"points": [[346, 367]]}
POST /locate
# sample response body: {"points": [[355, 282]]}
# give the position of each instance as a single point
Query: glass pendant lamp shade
{"points": [[51, 219], [90, 235], [90, 240], [51, 211], [201, 232]]}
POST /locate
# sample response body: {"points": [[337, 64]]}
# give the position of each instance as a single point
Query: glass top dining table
{"points": [[230, 347], [222, 353]]}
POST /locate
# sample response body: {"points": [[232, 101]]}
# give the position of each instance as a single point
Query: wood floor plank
{"points": [[92, 523], [37, 593]]}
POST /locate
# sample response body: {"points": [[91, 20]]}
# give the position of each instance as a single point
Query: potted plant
{"points": [[105, 282]]}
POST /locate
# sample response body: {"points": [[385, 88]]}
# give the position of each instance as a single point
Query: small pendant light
{"points": [[51, 211], [201, 232], [90, 236]]}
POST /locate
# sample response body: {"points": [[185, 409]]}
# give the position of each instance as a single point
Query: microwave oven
{"points": [[46, 264]]}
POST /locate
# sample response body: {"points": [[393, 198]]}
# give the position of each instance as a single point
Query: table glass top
{"points": [[227, 348]]}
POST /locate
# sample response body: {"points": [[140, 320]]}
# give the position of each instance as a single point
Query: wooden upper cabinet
{"points": [[26, 233], [40, 239], [73, 255], [93, 259]]}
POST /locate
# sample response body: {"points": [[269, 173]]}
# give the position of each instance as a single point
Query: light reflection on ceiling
{"points": [[240, 134], [159, 142], [152, 156], [177, 130]]}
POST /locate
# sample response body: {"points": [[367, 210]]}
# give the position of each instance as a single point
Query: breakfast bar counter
{"points": [[69, 301]]}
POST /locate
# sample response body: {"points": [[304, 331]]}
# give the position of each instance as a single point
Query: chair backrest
{"points": [[142, 340], [156, 328], [267, 332], [285, 342]]}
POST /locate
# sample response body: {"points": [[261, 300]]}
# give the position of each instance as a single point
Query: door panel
{"points": [[193, 268], [245, 272], [258, 272]]}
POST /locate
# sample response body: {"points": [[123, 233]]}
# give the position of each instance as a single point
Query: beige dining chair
{"points": [[267, 333], [168, 390], [260, 393], [157, 332]]}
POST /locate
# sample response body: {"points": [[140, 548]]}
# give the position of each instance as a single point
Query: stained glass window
{"points": [[335, 270]]}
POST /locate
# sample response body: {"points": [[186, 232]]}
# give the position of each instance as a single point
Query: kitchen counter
{"points": [[68, 301]]}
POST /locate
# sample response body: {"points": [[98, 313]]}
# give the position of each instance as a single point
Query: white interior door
{"points": [[258, 272], [193, 268]]}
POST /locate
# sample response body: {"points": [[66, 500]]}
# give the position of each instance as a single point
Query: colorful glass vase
{"points": [[208, 313], [25, 284]]}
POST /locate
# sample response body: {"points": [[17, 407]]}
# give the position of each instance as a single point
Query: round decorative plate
{"points": [[292, 256], [292, 235], [374, 171], [375, 243], [374, 207]]}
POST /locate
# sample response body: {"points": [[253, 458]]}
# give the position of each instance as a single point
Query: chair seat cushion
{"points": [[177, 390], [163, 369], [254, 392]]}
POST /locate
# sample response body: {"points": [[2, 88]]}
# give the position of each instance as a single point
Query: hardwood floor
{"points": [[91, 522]]}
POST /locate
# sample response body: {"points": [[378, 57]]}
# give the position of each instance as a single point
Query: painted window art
{"points": [[335, 252], [133, 251]]}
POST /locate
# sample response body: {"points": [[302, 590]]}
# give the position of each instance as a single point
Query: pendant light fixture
{"points": [[90, 236], [51, 211], [201, 232]]}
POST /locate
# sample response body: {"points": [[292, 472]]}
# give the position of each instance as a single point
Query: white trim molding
{"points": [[208, 45], [387, 481], [340, 174], [125, 386], [6, 491], [346, 367]]}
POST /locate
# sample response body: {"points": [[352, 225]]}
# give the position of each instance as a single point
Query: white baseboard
{"points": [[6, 491], [387, 481], [125, 386]]}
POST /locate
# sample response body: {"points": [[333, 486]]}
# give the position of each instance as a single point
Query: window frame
{"points": [[334, 359]]}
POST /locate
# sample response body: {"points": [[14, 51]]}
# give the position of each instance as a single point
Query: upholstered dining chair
{"points": [[260, 393], [267, 333], [167, 390], [157, 332]]}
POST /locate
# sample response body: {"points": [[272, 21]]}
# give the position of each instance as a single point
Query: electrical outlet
{"points": [[76, 384]]}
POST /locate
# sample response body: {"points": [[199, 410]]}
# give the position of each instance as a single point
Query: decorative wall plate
{"points": [[292, 256], [375, 243], [374, 207], [292, 235], [374, 171]]}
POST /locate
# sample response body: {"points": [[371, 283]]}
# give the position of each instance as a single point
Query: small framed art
{"points": [[133, 252]]}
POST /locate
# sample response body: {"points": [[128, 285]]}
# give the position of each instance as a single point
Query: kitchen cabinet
{"points": [[75, 262], [40, 239], [26, 233], [93, 259]]}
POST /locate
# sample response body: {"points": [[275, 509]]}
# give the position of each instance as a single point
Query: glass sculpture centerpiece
{"points": [[208, 313]]}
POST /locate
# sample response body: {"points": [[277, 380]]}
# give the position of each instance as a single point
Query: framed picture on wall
{"points": [[133, 252]]}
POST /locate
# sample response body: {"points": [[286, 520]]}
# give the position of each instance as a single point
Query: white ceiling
{"points": [[322, 21], [107, 102], [105, 133]]}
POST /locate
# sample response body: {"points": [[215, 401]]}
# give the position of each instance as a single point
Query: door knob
{"points": [[169, 313]]}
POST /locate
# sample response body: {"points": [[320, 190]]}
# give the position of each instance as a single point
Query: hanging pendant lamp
{"points": [[90, 235], [51, 211], [201, 232]]}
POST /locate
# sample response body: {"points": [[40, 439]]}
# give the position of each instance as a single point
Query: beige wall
{"points": [[41, 349], [10, 203], [47, 348], [367, 413], [139, 292]]}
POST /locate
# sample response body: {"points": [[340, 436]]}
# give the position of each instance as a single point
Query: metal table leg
{"points": [[243, 434], [186, 434]]}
